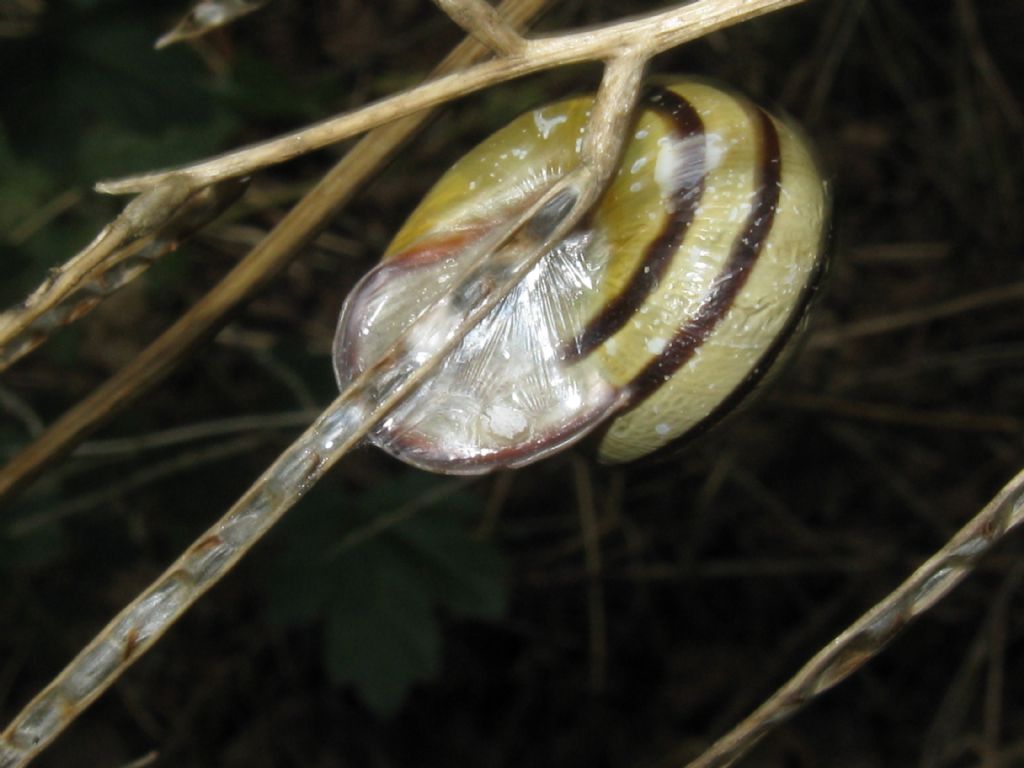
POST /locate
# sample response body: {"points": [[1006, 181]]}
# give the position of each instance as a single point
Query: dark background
{"points": [[463, 634]]}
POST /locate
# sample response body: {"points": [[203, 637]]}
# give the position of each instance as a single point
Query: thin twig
{"points": [[996, 677], [480, 19], [397, 516], [595, 590], [145, 761], [652, 34], [151, 225], [43, 215], [885, 413], [139, 218], [944, 732], [206, 16], [140, 479], [1014, 292], [12, 404], [1005, 95], [190, 433], [867, 636]]}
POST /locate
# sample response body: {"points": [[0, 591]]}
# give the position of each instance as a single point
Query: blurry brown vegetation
{"points": [[718, 573]]}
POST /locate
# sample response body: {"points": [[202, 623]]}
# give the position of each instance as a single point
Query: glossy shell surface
{"points": [[658, 314]]}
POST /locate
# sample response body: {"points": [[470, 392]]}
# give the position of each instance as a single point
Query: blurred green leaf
{"points": [[36, 548], [377, 569], [88, 98], [259, 90], [63, 346], [23, 186], [381, 634], [110, 148]]}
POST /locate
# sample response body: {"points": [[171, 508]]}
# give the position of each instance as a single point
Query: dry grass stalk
{"points": [[150, 225], [868, 636]]}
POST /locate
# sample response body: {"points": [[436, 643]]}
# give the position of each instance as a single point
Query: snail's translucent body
{"points": [[656, 315]]}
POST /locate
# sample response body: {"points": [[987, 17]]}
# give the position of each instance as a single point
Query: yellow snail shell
{"points": [[654, 317]]}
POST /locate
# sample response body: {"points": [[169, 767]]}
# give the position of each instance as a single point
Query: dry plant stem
{"points": [[867, 636], [44, 215], [143, 622], [207, 15], [1014, 292], [132, 446], [648, 35], [403, 512], [258, 267], [883, 413], [1009, 104], [345, 422], [480, 19], [151, 225], [25, 326], [591, 534], [110, 494]]}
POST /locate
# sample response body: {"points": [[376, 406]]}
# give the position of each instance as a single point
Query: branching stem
{"points": [[647, 36], [480, 19]]}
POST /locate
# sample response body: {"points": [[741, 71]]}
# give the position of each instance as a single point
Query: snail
{"points": [[647, 323]]}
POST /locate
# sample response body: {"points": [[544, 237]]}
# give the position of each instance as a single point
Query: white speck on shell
{"points": [[546, 125], [666, 167], [656, 346], [715, 148], [674, 168], [505, 421], [638, 164]]}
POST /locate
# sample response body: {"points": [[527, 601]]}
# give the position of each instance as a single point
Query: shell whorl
{"points": [[662, 310]]}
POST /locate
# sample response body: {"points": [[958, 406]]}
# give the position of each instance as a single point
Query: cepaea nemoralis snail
{"points": [[654, 316]]}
